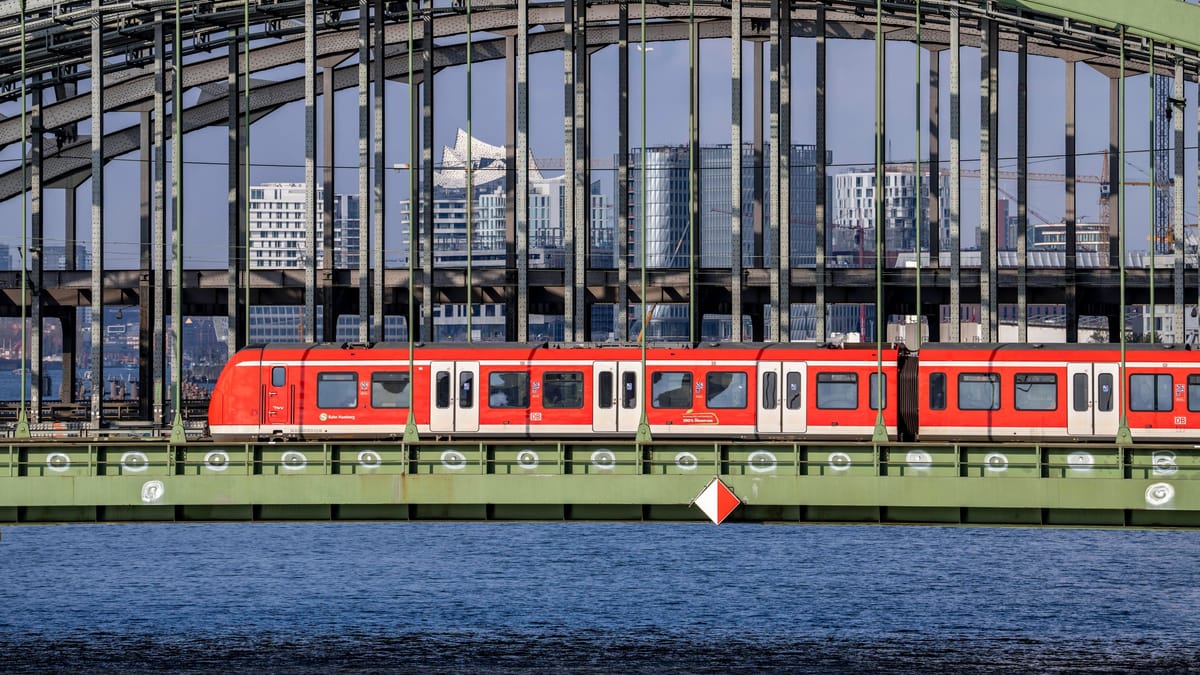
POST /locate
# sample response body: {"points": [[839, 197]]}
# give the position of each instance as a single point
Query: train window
{"points": [[508, 389], [337, 390], [1193, 393], [1079, 393], [278, 376], [442, 389], [837, 391], [770, 382], [466, 390], [1035, 391], [562, 390], [389, 390], [979, 391], [628, 390], [793, 390], [874, 394], [604, 390], [1150, 393], [671, 389], [1104, 395], [937, 391], [726, 390]]}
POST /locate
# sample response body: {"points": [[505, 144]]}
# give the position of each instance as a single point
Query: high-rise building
{"points": [[277, 227], [853, 235], [668, 194], [488, 216]]}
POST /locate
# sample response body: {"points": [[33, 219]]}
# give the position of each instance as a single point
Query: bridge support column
{"points": [[820, 210], [97, 277], [1072, 252], [622, 213], [735, 166], [33, 256], [1178, 103], [418, 121], [955, 183], [158, 274], [1022, 185], [935, 187]]}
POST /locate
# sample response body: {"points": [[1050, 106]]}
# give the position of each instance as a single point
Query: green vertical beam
{"points": [[1154, 178], [410, 424], [22, 430], [177, 435], [880, 433], [643, 432], [918, 202], [470, 179], [1123, 435], [693, 212], [246, 151]]}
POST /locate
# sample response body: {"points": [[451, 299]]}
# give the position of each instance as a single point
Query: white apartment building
{"points": [[277, 227]]}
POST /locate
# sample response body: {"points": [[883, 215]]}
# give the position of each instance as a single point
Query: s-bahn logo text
{"points": [[325, 417], [700, 418]]}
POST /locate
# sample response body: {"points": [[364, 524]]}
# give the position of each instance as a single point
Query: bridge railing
{"points": [[598, 459]]}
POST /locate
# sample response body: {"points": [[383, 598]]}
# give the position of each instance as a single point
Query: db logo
{"points": [[324, 417]]}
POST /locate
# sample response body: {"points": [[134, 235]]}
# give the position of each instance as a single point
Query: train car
{"points": [[1057, 392], [721, 390]]}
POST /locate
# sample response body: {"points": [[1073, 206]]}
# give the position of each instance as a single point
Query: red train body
{"points": [[795, 391]]}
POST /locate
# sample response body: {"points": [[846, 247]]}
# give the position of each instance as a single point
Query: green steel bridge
{"points": [[68, 66], [976, 484]]}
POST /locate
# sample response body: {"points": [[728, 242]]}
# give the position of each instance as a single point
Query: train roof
{"points": [[509, 346], [1051, 346]]}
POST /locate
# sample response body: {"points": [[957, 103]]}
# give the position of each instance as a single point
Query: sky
{"points": [[277, 155]]}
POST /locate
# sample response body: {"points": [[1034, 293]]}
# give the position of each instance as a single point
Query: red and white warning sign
{"points": [[716, 501]]}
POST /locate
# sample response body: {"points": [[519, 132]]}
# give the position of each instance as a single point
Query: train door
{"points": [[781, 398], [454, 405], [606, 398], [1094, 399], [277, 408], [617, 399]]}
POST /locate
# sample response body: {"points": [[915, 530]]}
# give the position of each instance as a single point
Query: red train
{"points": [[784, 391]]}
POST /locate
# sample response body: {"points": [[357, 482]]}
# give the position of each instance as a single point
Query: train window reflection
{"points": [[874, 393], [337, 390], [442, 389], [604, 390], [937, 391], [1104, 392], [466, 390], [979, 391], [562, 390], [793, 390], [726, 390], [508, 389], [671, 389], [278, 376], [1035, 391], [1193, 393], [629, 390], [1079, 385], [1150, 393], [769, 383], [389, 390], [837, 391]]}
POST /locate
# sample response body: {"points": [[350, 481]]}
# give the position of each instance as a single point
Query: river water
{"points": [[596, 597]]}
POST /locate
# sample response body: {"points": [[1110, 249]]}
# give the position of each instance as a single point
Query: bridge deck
{"points": [[1024, 484]]}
